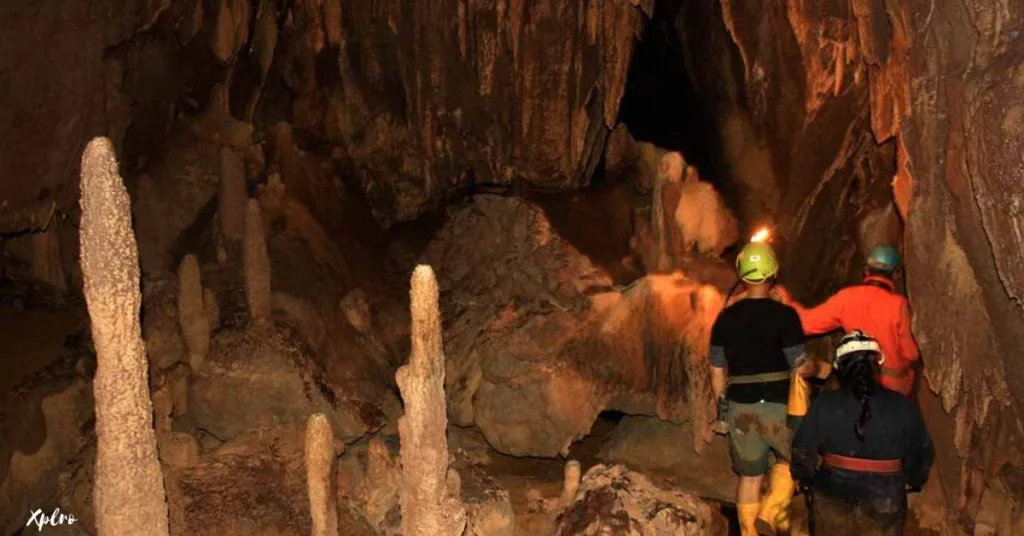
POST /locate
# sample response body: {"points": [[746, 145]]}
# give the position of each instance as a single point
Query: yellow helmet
{"points": [[756, 262]]}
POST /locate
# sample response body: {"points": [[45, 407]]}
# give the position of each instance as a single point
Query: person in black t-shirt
{"points": [[755, 343]]}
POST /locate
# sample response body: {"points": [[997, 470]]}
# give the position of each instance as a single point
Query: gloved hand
{"points": [[721, 426]]}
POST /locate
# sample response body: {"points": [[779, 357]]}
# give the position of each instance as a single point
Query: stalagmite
{"points": [[571, 482], [231, 203], [212, 309], [129, 495], [195, 326], [428, 507], [257, 266], [320, 475], [670, 171]]}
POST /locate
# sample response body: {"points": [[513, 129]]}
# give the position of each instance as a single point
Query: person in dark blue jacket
{"points": [[872, 443]]}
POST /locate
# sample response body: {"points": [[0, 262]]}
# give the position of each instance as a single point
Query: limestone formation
{"points": [[428, 507], [670, 171], [211, 308], [232, 199], [261, 379], [256, 266], [704, 221], [614, 500], [129, 491], [320, 482], [192, 315], [571, 482], [520, 361]]}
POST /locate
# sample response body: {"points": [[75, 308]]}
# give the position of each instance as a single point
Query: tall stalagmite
{"points": [[256, 265], [192, 316], [320, 475], [129, 492], [428, 507]]}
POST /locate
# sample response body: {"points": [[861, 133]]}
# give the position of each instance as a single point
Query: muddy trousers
{"points": [[831, 516]]}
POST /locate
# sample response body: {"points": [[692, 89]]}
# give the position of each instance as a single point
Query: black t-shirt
{"points": [[757, 336]]}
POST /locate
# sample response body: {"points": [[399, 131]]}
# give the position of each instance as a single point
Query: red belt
{"points": [[862, 465]]}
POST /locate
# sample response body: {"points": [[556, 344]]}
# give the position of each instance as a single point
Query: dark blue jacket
{"points": [[895, 430]]}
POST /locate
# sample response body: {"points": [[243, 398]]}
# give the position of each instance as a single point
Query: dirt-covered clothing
{"points": [[753, 337]]}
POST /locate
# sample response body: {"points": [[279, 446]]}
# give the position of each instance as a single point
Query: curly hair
{"points": [[856, 373]]}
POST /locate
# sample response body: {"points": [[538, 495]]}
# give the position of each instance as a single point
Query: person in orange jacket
{"points": [[872, 307]]}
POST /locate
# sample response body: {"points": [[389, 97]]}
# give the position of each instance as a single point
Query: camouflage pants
{"points": [[831, 516]]}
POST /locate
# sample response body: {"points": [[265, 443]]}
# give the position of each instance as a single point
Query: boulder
{"points": [[538, 342], [614, 500], [264, 379]]}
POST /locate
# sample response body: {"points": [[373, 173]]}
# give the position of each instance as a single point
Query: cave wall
{"points": [[835, 117], [434, 96], [956, 77]]}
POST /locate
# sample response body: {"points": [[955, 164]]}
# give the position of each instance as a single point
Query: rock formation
{"points": [[571, 483], [670, 171], [527, 316], [129, 494], [232, 198], [429, 505], [192, 314], [702, 219], [256, 266], [320, 480], [618, 501], [267, 378]]}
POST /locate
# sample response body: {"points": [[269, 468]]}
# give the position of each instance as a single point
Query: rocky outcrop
{"points": [[539, 342], [129, 489], [370, 481], [260, 380], [615, 500], [255, 484], [44, 428], [418, 118]]}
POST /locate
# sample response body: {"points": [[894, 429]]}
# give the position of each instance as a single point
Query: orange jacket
{"points": [[879, 312]]}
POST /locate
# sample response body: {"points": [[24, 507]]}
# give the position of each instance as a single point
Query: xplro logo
{"points": [[56, 518]]}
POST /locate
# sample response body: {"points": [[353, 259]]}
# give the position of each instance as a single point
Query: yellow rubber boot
{"points": [[747, 514], [773, 517], [799, 399]]}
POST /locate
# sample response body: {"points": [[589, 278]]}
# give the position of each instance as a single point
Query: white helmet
{"points": [[857, 341]]}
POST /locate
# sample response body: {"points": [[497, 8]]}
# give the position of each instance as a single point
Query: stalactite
{"points": [[128, 492]]}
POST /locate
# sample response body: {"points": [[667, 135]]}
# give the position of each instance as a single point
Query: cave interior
{"points": [[289, 164]]}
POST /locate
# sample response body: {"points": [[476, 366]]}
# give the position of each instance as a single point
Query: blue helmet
{"points": [[884, 257]]}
